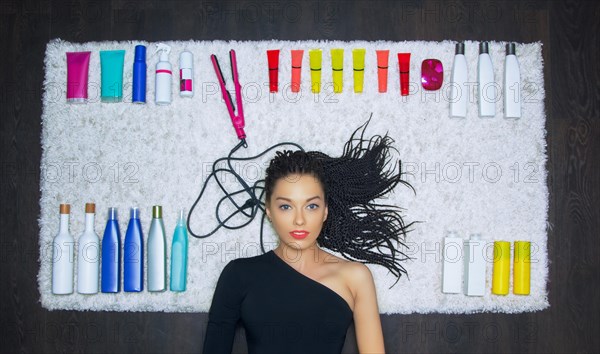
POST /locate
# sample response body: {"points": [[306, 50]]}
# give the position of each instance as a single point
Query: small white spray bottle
{"points": [[512, 84], [164, 76]]}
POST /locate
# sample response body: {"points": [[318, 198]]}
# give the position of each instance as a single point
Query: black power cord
{"points": [[254, 202]]}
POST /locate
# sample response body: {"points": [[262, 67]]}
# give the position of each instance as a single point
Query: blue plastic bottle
{"points": [[133, 275], [111, 254], [139, 75], [179, 252]]}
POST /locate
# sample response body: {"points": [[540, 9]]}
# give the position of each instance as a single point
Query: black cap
{"points": [[460, 48], [510, 49], [483, 47]]}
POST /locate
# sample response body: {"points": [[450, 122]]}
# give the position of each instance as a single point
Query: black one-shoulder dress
{"points": [[282, 310]]}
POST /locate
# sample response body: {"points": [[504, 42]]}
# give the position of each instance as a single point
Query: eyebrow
{"points": [[289, 200]]}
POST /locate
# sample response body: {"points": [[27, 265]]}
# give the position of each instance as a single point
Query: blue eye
{"points": [[283, 206], [315, 206]]}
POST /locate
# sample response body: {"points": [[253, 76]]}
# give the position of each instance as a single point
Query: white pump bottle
{"points": [[164, 76]]}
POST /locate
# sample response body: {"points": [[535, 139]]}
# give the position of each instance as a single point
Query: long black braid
{"points": [[356, 227]]}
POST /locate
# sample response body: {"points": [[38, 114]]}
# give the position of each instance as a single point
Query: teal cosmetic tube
{"points": [[111, 62]]}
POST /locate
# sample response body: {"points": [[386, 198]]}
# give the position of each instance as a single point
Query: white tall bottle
{"points": [[512, 84], [63, 255], [487, 93], [474, 284], [459, 92], [164, 76], [452, 264], [88, 254], [157, 252]]}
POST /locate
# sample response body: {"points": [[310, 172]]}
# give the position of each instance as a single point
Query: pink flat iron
{"points": [[236, 120]]}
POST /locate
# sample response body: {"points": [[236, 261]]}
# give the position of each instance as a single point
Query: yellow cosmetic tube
{"points": [[522, 268], [501, 277], [358, 65], [315, 57], [337, 69]]}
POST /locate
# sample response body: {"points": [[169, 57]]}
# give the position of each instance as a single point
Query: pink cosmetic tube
{"points": [[78, 64]]}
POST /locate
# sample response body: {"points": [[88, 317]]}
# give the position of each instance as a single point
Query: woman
{"points": [[299, 298]]}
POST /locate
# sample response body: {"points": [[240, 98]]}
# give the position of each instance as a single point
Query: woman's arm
{"points": [[224, 312], [367, 323]]}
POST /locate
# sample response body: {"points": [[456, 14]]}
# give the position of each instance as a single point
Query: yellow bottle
{"points": [[358, 61], [501, 278], [315, 56], [337, 69], [522, 268]]}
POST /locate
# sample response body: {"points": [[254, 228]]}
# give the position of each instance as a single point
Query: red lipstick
{"points": [[299, 234]]}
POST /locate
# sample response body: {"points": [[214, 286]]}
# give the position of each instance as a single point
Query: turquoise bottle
{"points": [[179, 253], [133, 254]]}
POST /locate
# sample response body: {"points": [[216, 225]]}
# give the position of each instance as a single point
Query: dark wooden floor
{"points": [[568, 31]]}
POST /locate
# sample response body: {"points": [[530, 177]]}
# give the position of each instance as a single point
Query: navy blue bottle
{"points": [[111, 254], [139, 75], [133, 275]]}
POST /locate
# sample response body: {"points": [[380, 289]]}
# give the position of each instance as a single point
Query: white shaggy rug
{"points": [[472, 175]]}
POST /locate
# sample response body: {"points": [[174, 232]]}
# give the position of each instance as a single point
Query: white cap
{"points": [[186, 60]]}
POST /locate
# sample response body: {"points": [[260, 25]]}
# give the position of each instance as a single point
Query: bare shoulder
{"points": [[358, 270], [358, 277]]}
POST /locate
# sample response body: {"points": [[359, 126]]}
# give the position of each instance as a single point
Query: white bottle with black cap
{"points": [[459, 92], [186, 74], [512, 84], [164, 76], [487, 93]]}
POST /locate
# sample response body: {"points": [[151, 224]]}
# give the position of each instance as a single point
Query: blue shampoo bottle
{"points": [[111, 254], [139, 75], [179, 252], [133, 275]]}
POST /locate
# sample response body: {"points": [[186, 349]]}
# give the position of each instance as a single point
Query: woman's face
{"points": [[297, 210]]}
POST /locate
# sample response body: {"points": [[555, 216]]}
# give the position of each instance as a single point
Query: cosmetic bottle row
{"points": [[432, 76], [90, 254], [470, 255], [111, 81], [487, 88]]}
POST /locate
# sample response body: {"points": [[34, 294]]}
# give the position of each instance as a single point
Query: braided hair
{"points": [[355, 227]]}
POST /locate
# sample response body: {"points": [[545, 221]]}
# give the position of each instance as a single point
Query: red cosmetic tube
{"points": [[404, 65], [296, 69], [382, 69], [273, 58], [78, 64]]}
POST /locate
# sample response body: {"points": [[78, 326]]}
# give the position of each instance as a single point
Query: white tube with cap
{"points": [[474, 266], [487, 94], [512, 84], [459, 92], [452, 254]]}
